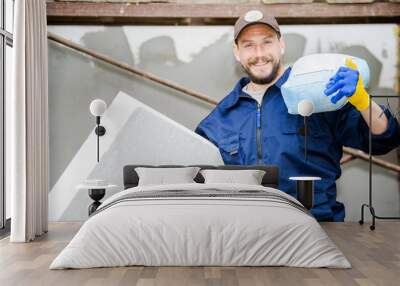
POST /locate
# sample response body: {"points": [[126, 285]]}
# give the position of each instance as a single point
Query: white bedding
{"points": [[182, 231]]}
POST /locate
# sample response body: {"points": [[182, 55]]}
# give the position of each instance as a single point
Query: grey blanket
{"points": [[205, 194]]}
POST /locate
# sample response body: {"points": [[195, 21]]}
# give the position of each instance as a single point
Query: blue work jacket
{"points": [[247, 133]]}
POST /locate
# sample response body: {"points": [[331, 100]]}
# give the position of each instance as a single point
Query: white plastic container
{"points": [[309, 77]]}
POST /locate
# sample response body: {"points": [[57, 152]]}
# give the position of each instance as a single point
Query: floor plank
{"points": [[374, 255]]}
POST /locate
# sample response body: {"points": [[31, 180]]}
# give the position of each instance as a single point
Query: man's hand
{"points": [[348, 82]]}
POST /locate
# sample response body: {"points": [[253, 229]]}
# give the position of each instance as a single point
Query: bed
{"points": [[201, 224]]}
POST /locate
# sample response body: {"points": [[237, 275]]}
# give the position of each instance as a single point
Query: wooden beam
{"points": [[217, 14], [134, 70], [346, 158], [380, 162]]}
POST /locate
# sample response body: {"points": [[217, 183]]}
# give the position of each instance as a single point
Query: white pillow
{"points": [[248, 177], [163, 176]]}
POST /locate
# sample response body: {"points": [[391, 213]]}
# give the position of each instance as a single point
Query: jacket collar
{"points": [[237, 92]]}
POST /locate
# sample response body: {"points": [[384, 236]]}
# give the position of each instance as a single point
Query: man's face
{"points": [[259, 51]]}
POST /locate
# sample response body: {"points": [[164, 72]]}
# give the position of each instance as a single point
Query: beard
{"points": [[267, 78]]}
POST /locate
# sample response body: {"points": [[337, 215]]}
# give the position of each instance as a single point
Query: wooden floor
{"points": [[374, 255]]}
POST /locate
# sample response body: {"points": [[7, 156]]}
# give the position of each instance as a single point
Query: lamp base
{"points": [[100, 130]]}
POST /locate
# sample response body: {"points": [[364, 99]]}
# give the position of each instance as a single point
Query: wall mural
{"points": [[198, 58]]}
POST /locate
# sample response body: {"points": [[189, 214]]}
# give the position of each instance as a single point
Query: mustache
{"points": [[257, 60]]}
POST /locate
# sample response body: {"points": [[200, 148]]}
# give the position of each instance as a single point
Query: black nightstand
{"points": [[305, 190], [96, 193]]}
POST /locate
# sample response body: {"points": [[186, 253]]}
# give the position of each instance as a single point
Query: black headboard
{"points": [[270, 179]]}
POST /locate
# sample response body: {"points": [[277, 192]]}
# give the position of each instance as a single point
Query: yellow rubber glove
{"points": [[348, 82], [360, 99]]}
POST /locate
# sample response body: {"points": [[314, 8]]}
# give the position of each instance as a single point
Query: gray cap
{"points": [[255, 17]]}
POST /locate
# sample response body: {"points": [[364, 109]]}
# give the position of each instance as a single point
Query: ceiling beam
{"points": [[217, 14]]}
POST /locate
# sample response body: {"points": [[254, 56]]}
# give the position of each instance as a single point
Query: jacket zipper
{"points": [[258, 131], [258, 135]]}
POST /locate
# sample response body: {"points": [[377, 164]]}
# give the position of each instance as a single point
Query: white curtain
{"points": [[27, 144]]}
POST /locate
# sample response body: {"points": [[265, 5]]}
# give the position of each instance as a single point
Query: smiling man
{"points": [[251, 125]]}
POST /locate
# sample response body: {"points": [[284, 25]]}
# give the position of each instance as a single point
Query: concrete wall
{"points": [[200, 58]]}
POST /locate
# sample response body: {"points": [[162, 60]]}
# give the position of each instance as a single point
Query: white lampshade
{"points": [[98, 107], [305, 107]]}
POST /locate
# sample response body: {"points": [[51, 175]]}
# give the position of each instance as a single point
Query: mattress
{"points": [[201, 225]]}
